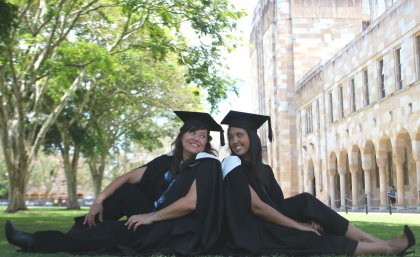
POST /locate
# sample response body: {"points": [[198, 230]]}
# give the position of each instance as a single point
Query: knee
{"points": [[307, 196], [124, 189]]}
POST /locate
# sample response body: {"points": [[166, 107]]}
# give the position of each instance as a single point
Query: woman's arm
{"points": [[179, 208], [268, 213], [132, 177]]}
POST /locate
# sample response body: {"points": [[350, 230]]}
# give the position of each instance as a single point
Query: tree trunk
{"points": [[15, 153], [19, 149], [97, 173], [18, 176], [70, 170], [17, 188]]}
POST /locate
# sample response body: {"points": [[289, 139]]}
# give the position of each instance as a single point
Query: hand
{"points": [[140, 219], [317, 226], [95, 209], [308, 227]]}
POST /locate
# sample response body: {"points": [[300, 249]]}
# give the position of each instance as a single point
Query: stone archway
{"points": [[357, 178], [386, 169], [405, 169], [371, 174], [310, 177]]}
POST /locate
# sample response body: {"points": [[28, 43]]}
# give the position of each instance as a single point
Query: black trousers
{"points": [[107, 236], [126, 201], [306, 207]]}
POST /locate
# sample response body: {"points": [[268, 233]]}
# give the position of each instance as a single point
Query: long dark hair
{"points": [[178, 164], [253, 158]]}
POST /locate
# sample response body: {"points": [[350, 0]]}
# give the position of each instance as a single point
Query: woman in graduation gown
{"points": [[136, 191], [260, 221], [185, 219]]}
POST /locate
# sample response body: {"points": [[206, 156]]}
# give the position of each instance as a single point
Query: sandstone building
{"points": [[341, 82]]}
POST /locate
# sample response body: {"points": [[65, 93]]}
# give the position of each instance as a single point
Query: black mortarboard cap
{"points": [[249, 121], [202, 119]]}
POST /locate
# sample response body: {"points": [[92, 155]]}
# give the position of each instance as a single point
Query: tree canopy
{"points": [[57, 56]]}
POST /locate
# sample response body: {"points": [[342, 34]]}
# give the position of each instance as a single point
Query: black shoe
{"points": [[411, 241], [18, 238]]}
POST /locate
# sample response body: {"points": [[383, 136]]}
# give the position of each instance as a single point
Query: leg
{"points": [[127, 200], [391, 247], [108, 236], [361, 236], [372, 248], [305, 207]]}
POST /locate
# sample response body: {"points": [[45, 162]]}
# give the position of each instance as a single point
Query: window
{"points": [[353, 95], [340, 101], [318, 118], [366, 87], [309, 120], [381, 78], [330, 99], [418, 56], [398, 69]]}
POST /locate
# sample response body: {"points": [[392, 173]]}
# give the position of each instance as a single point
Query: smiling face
{"points": [[238, 141], [194, 142]]}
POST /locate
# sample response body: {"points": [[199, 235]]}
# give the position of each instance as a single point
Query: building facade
{"points": [[340, 80]]}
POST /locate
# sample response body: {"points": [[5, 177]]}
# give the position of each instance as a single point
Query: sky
{"points": [[240, 68], [239, 64]]}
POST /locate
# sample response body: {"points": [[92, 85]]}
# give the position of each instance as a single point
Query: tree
{"points": [[119, 107], [4, 182], [40, 30], [133, 112]]}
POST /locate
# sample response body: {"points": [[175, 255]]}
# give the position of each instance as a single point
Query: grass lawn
{"points": [[381, 225]]}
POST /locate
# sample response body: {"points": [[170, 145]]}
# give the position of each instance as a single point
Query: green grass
{"points": [[382, 225]]}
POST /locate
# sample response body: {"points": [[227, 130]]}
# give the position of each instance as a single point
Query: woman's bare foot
{"points": [[398, 244]]}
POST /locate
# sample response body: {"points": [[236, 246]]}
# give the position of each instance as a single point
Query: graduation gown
{"points": [[194, 233], [247, 234]]}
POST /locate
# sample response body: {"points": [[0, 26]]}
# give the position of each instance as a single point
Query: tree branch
{"points": [[52, 117]]}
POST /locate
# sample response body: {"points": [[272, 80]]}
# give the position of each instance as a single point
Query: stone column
{"points": [[310, 184], [418, 183], [368, 186], [354, 170], [381, 162], [342, 172], [305, 179], [331, 189], [416, 155], [399, 164], [301, 179]]}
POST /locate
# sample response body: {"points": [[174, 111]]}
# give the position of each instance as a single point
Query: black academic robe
{"points": [[247, 234], [194, 233], [152, 182]]}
